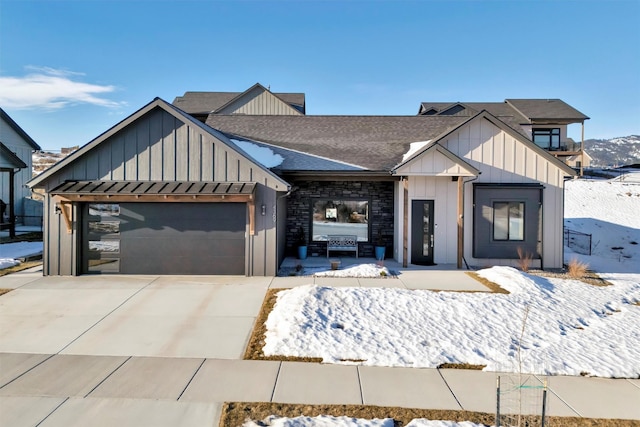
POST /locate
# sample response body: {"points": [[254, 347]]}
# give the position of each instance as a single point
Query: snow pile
{"points": [[263, 155], [320, 421], [571, 327], [360, 270], [10, 252]]}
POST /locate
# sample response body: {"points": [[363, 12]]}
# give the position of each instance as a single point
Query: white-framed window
{"points": [[508, 221]]}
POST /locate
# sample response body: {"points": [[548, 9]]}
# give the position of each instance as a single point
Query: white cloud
{"points": [[52, 89]]}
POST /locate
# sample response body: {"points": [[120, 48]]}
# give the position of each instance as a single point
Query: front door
{"points": [[422, 232]]}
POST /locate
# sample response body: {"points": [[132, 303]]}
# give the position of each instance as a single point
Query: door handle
{"points": [[432, 240]]}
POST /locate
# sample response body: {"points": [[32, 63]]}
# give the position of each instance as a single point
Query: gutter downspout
{"points": [[461, 183]]}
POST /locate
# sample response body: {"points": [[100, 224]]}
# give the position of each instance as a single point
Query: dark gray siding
{"points": [[158, 146]]}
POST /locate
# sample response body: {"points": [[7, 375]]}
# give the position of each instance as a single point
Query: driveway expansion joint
{"points": [[449, 387]]}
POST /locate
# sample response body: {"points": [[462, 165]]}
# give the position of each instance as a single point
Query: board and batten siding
{"points": [[444, 193], [23, 150], [158, 146], [501, 158], [259, 102]]}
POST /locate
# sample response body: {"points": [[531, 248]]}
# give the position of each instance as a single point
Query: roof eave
{"points": [[16, 127]]}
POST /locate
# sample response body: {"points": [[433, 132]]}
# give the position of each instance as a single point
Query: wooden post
{"points": [[460, 221], [252, 217], [66, 214]]}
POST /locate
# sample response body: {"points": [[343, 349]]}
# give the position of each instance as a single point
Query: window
{"points": [[340, 217], [508, 221], [507, 217], [549, 139]]}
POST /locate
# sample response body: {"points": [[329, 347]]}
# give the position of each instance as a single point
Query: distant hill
{"points": [[44, 159], [614, 152]]}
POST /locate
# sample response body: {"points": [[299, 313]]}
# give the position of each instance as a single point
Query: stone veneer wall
{"points": [[299, 205]]}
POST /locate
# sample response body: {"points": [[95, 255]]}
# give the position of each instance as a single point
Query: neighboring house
{"points": [[579, 161], [17, 150], [164, 193]]}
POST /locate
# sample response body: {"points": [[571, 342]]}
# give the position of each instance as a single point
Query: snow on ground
{"points": [[329, 421], [571, 327], [10, 252], [358, 270], [595, 333], [609, 210]]}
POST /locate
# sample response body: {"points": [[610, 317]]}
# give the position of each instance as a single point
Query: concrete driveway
{"points": [[170, 316], [166, 351]]}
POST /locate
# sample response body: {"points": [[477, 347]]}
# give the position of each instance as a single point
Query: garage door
{"points": [[164, 238]]}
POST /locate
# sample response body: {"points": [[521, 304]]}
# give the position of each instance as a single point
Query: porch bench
{"points": [[339, 242]]}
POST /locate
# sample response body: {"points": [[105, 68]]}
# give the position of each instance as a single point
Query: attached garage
{"points": [[157, 238], [161, 193]]}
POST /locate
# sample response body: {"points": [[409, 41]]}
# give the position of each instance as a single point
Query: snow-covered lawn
{"points": [[571, 328], [329, 421]]}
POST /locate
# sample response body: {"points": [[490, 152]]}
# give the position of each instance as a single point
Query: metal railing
{"points": [[577, 241]]}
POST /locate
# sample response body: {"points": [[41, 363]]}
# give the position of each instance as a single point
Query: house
{"points": [[16, 148], [579, 161], [222, 185]]}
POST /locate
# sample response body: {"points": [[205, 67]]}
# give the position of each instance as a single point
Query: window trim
{"points": [[550, 133], [483, 245], [523, 210]]}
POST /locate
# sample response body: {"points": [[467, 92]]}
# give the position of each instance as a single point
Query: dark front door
{"points": [[422, 232]]}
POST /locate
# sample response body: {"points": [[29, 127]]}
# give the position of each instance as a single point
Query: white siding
{"points": [[443, 191], [501, 158]]}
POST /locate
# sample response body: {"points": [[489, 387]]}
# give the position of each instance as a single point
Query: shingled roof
{"points": [[206, 102], [543, 110], [514, 112], [375, 143]]}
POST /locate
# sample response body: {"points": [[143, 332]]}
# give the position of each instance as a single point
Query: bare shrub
{"points": [[577, 269], [524, 259]]}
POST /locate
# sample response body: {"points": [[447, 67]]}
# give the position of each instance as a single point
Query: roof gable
{"points": [[242, 103], [203, 103], [435, 160], [485, 115], [16, 128], [177, 147]]}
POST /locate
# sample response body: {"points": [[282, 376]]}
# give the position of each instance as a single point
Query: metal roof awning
{"points": [[154, 191]]}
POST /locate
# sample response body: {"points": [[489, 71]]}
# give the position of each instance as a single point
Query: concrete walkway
{"points": [[167, 350]]}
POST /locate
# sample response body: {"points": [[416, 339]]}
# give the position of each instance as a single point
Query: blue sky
{"points": [[69, 70]]}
